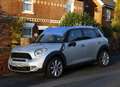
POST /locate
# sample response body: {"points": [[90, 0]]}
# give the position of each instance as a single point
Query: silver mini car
{"points": [[59, 47]]}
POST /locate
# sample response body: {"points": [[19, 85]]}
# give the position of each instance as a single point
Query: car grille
{"points": [[21, 60], [21, 55], [20, 68]]}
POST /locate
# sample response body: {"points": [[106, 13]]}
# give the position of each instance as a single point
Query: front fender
{"points": [[52, 55]]}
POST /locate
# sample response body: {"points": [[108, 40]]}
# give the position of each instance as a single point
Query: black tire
{"points": [[54, 68], [103, 58]]}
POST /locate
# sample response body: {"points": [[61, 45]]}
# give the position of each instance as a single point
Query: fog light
{"points": [[32, 67]]}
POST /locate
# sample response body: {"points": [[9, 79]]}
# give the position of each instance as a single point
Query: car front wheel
{"points": [[55, 68]]}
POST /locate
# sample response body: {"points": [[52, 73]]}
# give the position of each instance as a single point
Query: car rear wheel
{"points": [[103, 58], [54, 68]]}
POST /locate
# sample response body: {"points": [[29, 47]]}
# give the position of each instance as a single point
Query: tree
{"points": [[76, 19], [16, 28], [16, 25], [116, 19], [5, 32], [88, 20]]}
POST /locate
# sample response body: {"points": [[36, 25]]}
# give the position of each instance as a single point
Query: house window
{"points": [[69, 7], [28, 6], [108, 15]]}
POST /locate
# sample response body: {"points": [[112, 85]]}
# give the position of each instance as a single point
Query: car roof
{"points": [[63, 29], [66, 28]]}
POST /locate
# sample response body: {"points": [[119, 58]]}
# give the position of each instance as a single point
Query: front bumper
{"points": [[25, 66]]}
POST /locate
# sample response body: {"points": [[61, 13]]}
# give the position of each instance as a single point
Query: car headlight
{"points": [[39, 52]]}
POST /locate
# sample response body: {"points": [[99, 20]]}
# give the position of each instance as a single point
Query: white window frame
{"points": [[28, 26], [28, 11], [69, 6]]}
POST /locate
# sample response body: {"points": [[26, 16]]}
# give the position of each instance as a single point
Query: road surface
{"points": [[89, 75]]}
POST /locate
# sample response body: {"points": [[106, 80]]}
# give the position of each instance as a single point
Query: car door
{"points": [[74, 47], [91, 43]]}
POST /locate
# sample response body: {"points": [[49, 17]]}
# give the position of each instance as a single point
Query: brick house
{"points": [[104, 12], [42, 12], [101, 10], [49, 12]]}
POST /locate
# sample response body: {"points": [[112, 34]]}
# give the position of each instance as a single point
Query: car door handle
{"points": [[82, 45], [99, 42]]}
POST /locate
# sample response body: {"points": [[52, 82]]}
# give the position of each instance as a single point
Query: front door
{"points": [[75, 48]]}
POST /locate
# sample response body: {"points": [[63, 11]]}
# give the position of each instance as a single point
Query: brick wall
{"points": [[5, 42], [44, 9], [98, 12]]}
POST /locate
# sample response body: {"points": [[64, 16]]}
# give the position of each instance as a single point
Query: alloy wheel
{"points": [[55, 68], [105, 58]]}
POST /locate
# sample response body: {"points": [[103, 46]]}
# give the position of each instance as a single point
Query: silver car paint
{"points": [[74, 54], [85, 50], [30, 49]]}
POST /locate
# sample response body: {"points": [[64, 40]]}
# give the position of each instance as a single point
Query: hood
{"points": [[35, 46]]}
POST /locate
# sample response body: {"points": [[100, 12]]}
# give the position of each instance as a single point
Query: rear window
{"points": [[75, 35]]}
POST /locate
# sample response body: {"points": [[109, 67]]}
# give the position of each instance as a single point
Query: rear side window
{"points": [[90, 33]]}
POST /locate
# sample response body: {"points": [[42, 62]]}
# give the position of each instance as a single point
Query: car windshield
{"points": [[51, 36]]}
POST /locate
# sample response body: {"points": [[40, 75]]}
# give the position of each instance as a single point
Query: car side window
{"points": [[89, 33], [75, 35], [97, 33]]}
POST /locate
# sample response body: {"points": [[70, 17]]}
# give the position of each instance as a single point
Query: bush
{"points": [[76, 19], [116, 19], [116, 29], [108, 32], [71, 19], [16, 25]]}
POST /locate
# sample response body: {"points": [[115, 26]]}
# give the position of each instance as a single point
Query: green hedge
{"points": [[76, 19]]}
